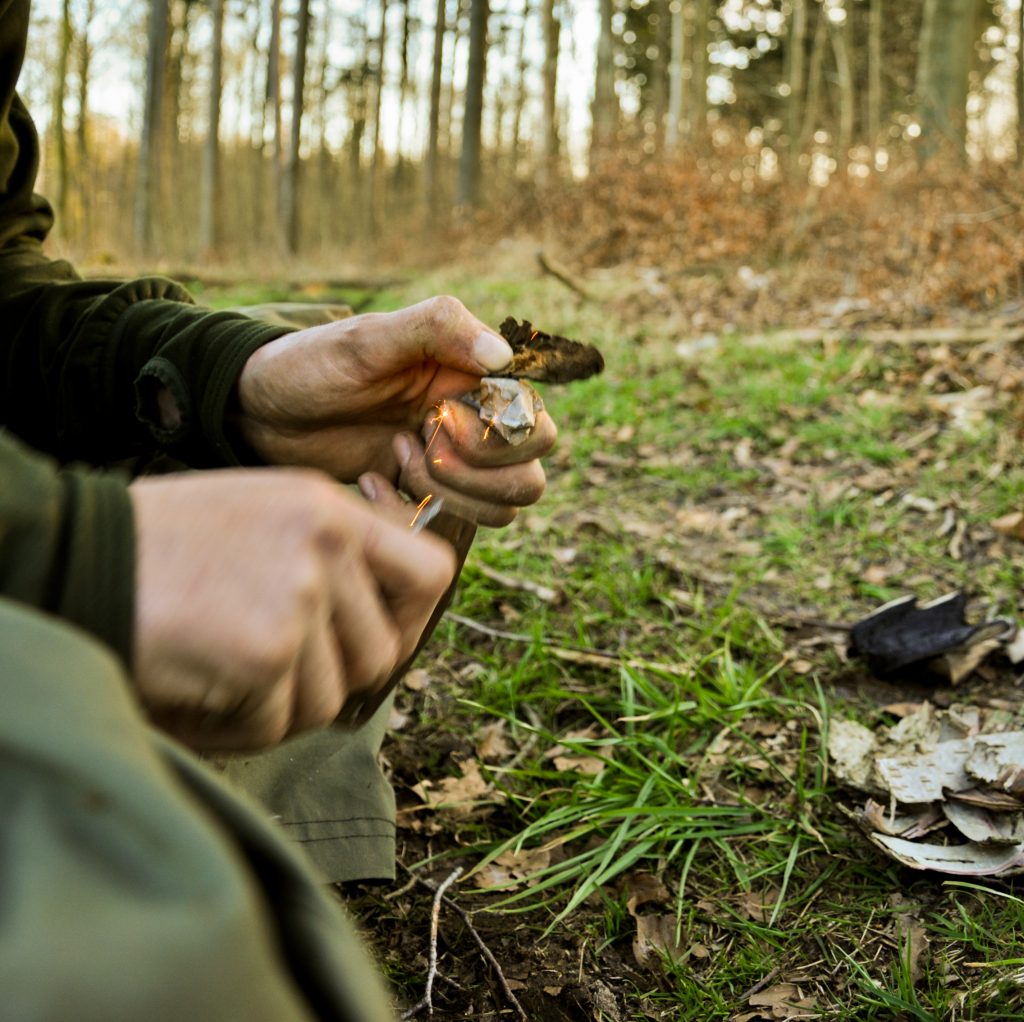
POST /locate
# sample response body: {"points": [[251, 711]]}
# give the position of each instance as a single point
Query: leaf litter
{"points": [[695, 541]]}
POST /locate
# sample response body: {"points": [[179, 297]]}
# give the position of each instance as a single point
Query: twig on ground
{"points": [[759, 985], [523, 585], [562, 273], [592, 657], [435, 919], [439, 898]]}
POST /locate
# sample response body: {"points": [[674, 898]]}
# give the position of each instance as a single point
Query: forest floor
{"points": [[619, 732]]}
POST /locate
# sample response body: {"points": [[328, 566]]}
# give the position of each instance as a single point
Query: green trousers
{"points": [[133, 883]]}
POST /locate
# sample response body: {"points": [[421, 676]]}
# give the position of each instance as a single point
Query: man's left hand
{"points": [[378, 394]]}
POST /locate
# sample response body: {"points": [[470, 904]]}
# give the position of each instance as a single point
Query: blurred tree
{"points": [[841, 32], [469, 162], [377, 155], [676, 75], [84, 68], [522, 66], [147, 180], [604, 109], [293, 166], [272, 109], [434, 124], [548, 141], [876, 19], [209, 196], [60, 145], [946, 54]]}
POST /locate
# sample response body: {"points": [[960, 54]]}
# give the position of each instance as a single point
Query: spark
{"points": [[442, 414], [420, 508], [490, 425]]}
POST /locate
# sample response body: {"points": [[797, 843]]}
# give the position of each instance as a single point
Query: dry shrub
{"points": [[934, 244]]}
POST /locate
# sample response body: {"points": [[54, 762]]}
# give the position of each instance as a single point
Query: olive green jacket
{"points": [[80, 365]]}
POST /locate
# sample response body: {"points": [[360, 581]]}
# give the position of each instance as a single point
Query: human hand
{"points": [[365, 395], [272, 601]]}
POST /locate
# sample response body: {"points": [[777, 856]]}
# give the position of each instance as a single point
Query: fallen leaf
{"points": [[491, 743], [657, 933], [759, 905], [513, 869], [1011, 525], [416, 680], [643, 888], [456, 795], [591, 766]]}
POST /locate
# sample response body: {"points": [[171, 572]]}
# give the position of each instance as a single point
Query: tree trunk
{"points": [[945, 55], [84, 54], [699, 75], [449, 115], [814, 76], [796, 77], [434, 128], [404, 77], [875, 23], [520, 102], [658, 84], [147, 181], [1020, 85], [844, 84], [549, 115], [469, 162], [273, 105], [209, 197], [60, 142], [604, 111], [676, 79], [290, 180], [377, 157]]}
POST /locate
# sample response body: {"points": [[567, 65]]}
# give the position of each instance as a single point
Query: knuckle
{"points": [[444, 311]]}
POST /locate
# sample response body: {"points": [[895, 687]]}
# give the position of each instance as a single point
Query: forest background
{"points": [[860, 151], [621, 729]]}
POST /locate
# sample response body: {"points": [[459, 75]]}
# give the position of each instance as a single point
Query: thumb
{"points": [[443, 329]]}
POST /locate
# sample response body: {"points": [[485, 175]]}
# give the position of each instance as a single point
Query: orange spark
{"points": [[442, 414], [420, 508]]}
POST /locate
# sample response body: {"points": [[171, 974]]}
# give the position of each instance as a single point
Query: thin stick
{"points": [[435, 920], [591, 657], [468, 921]]}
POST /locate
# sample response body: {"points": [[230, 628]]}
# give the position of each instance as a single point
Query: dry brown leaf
{"points": [[513, 869], [491, 743], [759, 905], [783, 1001], [416, 680], [915, 943], [657, 933], [643, 888], [456, 795], [591, 766], [1011, 525]]}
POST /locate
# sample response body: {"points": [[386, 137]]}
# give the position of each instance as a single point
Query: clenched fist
{"points": [[272, 601]]}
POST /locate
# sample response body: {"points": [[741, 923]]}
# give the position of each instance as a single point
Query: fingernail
{"points": [[491, 351], [403, 448], [367, 487]]}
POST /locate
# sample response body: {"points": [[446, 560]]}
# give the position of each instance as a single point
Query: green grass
{"points": [[714, 776]]}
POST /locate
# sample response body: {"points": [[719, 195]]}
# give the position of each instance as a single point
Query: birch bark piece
{"points": [[971, 859]]}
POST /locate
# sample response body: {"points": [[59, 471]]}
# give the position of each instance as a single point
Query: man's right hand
{"points": [[272, 601]]}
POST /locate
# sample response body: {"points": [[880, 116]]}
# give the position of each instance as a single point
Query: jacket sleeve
{"points": [[67, 544], [81, 362]]}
